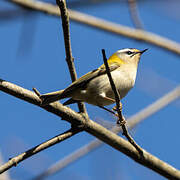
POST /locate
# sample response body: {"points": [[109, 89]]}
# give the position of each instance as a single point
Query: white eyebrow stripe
{"points": [[124, 50]]}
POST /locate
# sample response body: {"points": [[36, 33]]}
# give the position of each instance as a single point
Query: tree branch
{"points": [[104, 25], [57, 139], [95, 129], [67, 42]]}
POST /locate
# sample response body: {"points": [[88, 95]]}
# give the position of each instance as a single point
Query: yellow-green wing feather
{"points": [[82, 81]]}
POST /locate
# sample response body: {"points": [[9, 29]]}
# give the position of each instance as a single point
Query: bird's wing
{"points": [[82, 81]]}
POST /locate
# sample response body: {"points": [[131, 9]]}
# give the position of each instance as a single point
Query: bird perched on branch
{"points": [[94, 87]]}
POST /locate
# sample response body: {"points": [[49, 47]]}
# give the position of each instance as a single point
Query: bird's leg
{"points": [[115, 108], [109, 99], [122, 121], [112, 112]]}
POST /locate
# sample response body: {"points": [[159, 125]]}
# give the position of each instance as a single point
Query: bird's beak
{"points": [[141, 52]]}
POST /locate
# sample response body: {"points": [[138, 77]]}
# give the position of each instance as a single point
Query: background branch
{"points": [[133, 10], [104, 25]]}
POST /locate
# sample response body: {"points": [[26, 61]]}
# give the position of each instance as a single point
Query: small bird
{"points": [[94, 87]]}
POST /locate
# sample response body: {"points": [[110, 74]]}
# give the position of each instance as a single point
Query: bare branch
{"points": [[67, 42], [65, 25], [133, 10], [57, 139], [95, 129], [93, 145], [104, 25]]}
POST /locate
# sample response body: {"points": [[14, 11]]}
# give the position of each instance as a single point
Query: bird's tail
{"points": [[51, 97]]}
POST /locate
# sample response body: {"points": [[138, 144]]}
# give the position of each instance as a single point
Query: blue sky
{"points": [[32, 55]]}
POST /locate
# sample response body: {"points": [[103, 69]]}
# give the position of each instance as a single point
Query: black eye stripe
{"points": [[129, 52]]}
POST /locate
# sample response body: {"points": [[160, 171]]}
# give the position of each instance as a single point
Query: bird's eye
{"points": [[129, 52]]}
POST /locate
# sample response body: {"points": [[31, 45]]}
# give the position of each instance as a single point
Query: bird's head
{"points": [[126, 56]]}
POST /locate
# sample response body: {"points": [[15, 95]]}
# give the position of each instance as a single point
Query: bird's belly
{"points": [[99, 88]]}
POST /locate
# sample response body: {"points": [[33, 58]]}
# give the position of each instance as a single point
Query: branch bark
{"points": [[96, 130]]}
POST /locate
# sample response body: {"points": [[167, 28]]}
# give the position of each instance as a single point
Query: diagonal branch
{"points": [[104, 25], [57, 139], [94, 144], [95, 129], [118, 108]]}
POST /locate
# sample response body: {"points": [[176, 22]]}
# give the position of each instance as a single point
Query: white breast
{"points": [[124, 79], [99, 87]]}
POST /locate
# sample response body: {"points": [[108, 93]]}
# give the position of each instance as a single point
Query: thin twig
{"points": [[57, 139], [94, 144], [104, 25], [118, 106], [67, 42], [36, 92], [94, 129], [134, 14]]}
